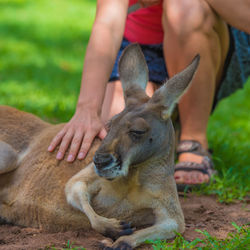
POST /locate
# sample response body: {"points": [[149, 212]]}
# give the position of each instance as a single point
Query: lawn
{"points": [[42, 48]]}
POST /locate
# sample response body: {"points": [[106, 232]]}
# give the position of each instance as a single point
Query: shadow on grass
{"points": [[43, 60], [58, 41], [14, 4], [49, 77]]}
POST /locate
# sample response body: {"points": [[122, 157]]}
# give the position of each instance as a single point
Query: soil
{"points": [[201, 212]]}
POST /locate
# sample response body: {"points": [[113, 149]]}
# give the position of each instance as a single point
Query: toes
{"points": [[125, 225], [192, 177], [199, 178], [186, 179], [180, 176], [111, 233], [123, 229], [195, 177], [127, 231]]}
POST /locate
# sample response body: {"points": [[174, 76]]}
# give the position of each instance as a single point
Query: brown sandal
{"points": [[205, 167]]}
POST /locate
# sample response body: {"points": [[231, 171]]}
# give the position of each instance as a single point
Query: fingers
{"points": [[56, 140], [87, 141], [76, 140], [77, 136], [75, 145], [65, 144], [102, 134]]}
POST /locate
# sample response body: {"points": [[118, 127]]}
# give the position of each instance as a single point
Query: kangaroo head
{"points": [[143, 130]]}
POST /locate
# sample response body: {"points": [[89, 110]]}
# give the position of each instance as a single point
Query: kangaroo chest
{"points": [[120, 200]]}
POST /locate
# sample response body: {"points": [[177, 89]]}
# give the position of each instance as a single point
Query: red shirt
{"points": [[144, 25]]}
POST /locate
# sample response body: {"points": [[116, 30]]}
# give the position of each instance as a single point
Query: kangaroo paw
{"points": [[123, 229], [113, 228]]}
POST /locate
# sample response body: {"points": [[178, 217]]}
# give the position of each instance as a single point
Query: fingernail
{"points": [[59, 156], [70, 158], [81, 156], [50, 148]]}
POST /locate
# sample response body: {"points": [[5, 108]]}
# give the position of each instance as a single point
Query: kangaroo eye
{"points": [[136, 134]]}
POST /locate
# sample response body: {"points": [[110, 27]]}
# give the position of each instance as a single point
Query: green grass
{"points": [[42, 48], [68, 246], [238, 240], [229, 137]]}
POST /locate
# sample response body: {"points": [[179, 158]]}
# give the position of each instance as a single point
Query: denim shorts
{"points": [[236, 69], [237, 66], [154, 58]]}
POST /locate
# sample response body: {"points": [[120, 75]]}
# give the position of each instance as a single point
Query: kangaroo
{"points": [[127, 177]]}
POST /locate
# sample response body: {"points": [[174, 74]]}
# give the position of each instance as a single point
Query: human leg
{"points": [[190, 28], [114, 99], [240, 9]]}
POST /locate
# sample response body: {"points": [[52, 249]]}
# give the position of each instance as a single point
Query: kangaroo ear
{"points": [[133, 71], [170, 93]]}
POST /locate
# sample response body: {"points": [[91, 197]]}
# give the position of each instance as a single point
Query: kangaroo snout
{"points": [[103, 160], [107, 165]]}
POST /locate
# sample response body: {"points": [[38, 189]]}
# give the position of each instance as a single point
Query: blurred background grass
{"points": [[42, 47]]}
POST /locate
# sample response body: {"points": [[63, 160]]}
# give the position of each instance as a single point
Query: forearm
{"points": [[100, 57], [104, 43], [235, 13]]}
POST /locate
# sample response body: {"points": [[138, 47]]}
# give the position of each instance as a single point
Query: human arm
{"points": [[235, 13], [104, 43]]}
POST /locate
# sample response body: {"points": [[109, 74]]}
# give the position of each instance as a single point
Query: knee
{"points": [[186, 17]]}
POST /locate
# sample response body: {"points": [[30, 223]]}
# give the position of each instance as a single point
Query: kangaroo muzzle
{"points": [[107, 165]]}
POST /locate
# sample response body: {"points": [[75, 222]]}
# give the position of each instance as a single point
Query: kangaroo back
{"points": [[18, 128], [33, 194]]}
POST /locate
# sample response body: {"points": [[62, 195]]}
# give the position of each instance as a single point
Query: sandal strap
{"points": [[192, 146], [200, 169], [206, 166]]}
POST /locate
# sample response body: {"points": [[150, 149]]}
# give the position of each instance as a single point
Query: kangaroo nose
{"points": [[103, 159]]}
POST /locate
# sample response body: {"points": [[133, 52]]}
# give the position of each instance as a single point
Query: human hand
{"points": [[78, 134], [146, 3]]}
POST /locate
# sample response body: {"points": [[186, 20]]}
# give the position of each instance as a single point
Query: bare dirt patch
{"points": [[201, 212]]}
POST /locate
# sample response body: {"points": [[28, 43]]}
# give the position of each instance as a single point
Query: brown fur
{"points": [[28, 194], [131, 180]]}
